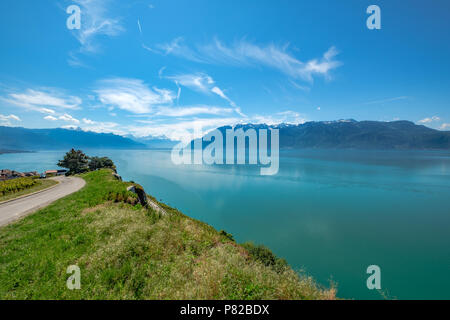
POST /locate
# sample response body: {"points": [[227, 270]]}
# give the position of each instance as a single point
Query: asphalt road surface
{"points": [[18, 208]]}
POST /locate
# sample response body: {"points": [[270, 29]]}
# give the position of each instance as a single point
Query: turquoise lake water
{"points": [[330, 213]]}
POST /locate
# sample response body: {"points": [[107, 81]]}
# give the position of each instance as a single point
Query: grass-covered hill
{"points": [[126, 251]]}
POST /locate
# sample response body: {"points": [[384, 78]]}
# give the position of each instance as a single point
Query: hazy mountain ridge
{"points": [[154, 142], [340, 134], [352, 134], [17, 138]]}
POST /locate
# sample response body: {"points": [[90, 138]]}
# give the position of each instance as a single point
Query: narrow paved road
{"points": [[15, 209]]}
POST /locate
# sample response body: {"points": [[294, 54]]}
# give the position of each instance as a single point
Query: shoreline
{"points": [[6, 151]]}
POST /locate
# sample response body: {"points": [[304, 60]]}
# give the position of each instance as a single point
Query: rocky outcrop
{"points": [[115, 175], [137, 189], [144, 200]]}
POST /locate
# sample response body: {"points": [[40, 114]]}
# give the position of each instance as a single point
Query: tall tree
{"points": [[76, 161]]}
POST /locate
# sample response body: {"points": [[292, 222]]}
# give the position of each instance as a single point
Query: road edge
{"points": [[30, 194], [37, 208]]}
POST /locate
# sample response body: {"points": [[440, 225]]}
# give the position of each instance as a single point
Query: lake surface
{"points": [[331, 213]]}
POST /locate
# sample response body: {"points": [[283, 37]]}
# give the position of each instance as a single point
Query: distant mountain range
{"points": [[15, 138], [352, 134], [12, 151], [341, 134], [154, 142]]}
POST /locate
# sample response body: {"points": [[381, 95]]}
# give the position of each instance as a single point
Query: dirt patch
{"points": [[96, 208]]}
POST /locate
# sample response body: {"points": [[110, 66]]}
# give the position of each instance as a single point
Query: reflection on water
{"points": [[332, 213]]}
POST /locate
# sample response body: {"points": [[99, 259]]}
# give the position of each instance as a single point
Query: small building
{"points": [[51, 173]]}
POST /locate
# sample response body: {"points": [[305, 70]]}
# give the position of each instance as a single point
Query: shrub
{"points": [[100, 163], [264, 255], [227, 235], [123, 196]]}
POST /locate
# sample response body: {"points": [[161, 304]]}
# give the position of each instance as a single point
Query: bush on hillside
{"points": [[264, 255], [227, 235], [100, 163]]}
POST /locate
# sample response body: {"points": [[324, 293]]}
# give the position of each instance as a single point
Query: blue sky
{"points": [[158, 67]]}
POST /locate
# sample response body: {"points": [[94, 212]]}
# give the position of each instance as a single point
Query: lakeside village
{"points": [[75, 161], [7, 174]]}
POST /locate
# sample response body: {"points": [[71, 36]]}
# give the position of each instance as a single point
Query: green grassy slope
{"points": [[129, 252]]}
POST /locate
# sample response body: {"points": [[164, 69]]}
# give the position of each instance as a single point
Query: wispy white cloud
{"points": [[192, 110], [184, 129], [102, 127], [429, 120], [98, 126], [88, 121], [75, 61], [40, 100], [200, 82], [139, 26], [132, 95], [46, 110], [95, 20], [68, 118], [288, 117], [221, 94], [434, 122], [298, 86], [177, 48], [12, 117], [6, 120], [244, 53], [50, 118], [321, 66], [382, 101]]}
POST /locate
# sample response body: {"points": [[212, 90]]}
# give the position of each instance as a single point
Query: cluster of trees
{"points": [[78, 162], [100, 162]]}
